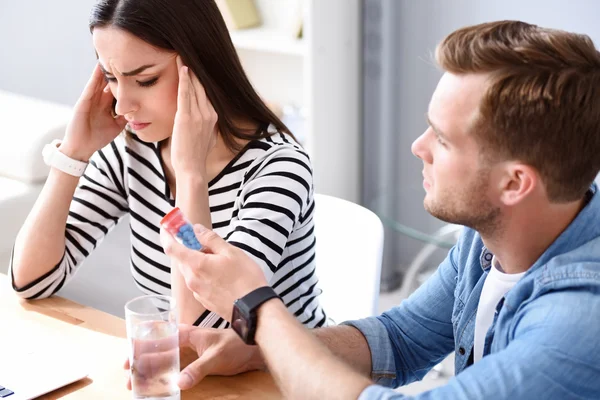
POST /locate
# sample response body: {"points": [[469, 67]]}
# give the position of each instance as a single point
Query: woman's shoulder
{"points": [[275, 154], [278, 144]]}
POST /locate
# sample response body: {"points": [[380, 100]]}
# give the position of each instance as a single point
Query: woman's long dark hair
{"points": [[196, 31]]}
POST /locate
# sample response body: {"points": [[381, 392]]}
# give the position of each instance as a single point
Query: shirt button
{"points": [[461, 351]]}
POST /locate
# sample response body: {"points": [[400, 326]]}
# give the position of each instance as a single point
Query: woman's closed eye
{"points": [[147, 83]]}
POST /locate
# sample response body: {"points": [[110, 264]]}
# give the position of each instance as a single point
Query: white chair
{"points": [[349, 257], [26, 125]]}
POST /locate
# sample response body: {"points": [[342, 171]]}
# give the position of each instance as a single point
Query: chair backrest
{"points": [[349, 256]]}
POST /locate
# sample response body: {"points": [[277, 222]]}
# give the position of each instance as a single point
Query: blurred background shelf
{"points": [[313, 82], [270, 40]]}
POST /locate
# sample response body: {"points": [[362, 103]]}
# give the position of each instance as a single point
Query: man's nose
{"points": [[420, 149]]}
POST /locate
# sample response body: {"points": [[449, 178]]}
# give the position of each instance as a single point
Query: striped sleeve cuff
{"points": [[382, 356], [45, 286]]}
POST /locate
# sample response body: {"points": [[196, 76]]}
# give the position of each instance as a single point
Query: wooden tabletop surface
{"points": [[102, 336]]}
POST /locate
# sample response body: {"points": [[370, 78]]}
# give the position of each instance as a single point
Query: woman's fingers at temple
{"points": [[193, 94], [183, 92], [105, 99], [92, 88], [204, 104], [187, 90]]}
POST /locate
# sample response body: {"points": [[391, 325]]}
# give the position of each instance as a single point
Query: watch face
{"points": [[239, 324]]}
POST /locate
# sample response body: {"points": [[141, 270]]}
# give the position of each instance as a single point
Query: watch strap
{"points": [[53, 157], [255, 298], [244, 320]]}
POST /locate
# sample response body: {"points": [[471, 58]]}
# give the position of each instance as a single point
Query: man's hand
{"points": [[218, 275], [220, 352]]}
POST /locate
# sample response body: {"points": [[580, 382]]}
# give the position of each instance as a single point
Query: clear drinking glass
{"points": [[153, 336]]}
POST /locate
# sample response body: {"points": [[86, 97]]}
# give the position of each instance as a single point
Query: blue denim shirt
{"points": [[544, 342]]}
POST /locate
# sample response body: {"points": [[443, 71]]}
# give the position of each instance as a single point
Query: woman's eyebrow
{"points": [[130, 73]]}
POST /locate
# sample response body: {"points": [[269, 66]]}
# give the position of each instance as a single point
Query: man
{"points": [[511, 152]]}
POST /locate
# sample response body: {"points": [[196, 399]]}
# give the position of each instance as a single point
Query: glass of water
{"points": [[153, 337]]}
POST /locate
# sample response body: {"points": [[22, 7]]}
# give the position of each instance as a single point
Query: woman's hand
{"points": [[195, 126], [219, 352], [92, 126]]}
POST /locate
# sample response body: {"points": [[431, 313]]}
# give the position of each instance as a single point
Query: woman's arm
{"points": [[40, 243], [70, 217], [39, 263], [192, 199], [194, 136]]}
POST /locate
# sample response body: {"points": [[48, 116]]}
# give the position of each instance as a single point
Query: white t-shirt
{"points": [[495, 287]]}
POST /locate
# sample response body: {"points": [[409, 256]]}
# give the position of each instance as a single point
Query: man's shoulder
{"points": [[568, 281], [574, 268]]}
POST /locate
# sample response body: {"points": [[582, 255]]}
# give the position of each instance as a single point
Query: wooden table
{"points": [[104, 339]]}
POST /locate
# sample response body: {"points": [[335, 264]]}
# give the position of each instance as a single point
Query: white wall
{"points": [[45, 48]]}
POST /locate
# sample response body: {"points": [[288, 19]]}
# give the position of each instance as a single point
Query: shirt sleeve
{"points": [[408, 340], [276, 197], [99, 202]]}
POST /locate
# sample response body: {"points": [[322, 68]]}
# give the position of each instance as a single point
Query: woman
{"points": [[197, 136]]}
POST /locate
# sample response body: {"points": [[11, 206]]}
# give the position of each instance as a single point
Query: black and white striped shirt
{"points": [[262, 202]]}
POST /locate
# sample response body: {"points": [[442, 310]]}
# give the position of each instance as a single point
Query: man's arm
{"points": [[222, 352], [302, 365], [406, 342], [348, 344], [552, 354]]}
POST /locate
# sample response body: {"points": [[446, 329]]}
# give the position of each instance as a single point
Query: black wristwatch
{"points": [[244, 317]]}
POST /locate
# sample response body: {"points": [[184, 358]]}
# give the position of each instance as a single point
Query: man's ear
{"points": [[518, 181]]}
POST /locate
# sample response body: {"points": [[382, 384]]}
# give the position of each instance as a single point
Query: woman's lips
{"points": [[138, 126]]}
